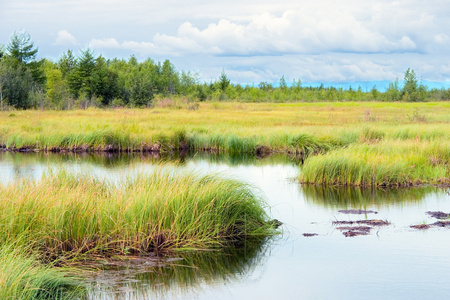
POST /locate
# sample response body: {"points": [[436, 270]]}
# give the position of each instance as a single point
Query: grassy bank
{"points": [[230, 127], [367, 144]]}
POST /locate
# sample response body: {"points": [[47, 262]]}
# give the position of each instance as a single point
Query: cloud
{"points": [[441, 38], [161, 45], [293, 32], [406, 43], [104, 43], [301, 31], [321, 40], [65, 38], [326, 68]]}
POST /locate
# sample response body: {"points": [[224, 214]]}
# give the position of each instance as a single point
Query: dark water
{"points": [[392, 262]]}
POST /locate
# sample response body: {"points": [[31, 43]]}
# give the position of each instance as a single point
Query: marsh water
{"points": [[391, 262]]}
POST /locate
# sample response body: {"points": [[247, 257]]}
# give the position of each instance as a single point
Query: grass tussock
{"points": [[393, 163], [68, 216]]}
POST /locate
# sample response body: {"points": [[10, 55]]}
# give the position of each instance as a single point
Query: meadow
{"points": [[345, 143]]}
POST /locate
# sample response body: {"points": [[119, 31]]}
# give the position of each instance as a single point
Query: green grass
{"points": [[393, 163], [352, 143], [76, 216], [227, 127], [23, 276], [68, 218]]}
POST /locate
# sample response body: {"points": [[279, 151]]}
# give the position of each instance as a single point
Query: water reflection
{"points": [[113, 160], [31, 165], [187, 273], [363, 198], [397, 261]]}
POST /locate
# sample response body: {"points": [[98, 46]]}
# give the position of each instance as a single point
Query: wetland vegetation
{"points": [[24, 276], [72, 215], [339, 139], [63, 219], [148, 275], [364, 144]]}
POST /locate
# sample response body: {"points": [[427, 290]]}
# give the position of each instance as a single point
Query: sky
{"points": [[329, 41]]}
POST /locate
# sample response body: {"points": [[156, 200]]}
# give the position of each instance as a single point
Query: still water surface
{"points": [[393, 262]]}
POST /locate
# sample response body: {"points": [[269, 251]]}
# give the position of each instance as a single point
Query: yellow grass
{"points": [[304, 128], [267, 124]]}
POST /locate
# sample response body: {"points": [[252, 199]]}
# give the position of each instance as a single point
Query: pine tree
{"points": [[412, 91], [224, 82], [22, 48], [21, 74]]}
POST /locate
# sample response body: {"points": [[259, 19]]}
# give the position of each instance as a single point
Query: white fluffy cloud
{"points": [[320, 40], [65, 38], [104, 43], [303, 31]]}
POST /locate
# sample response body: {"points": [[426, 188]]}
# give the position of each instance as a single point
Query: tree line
{"points": [[88, 80]]}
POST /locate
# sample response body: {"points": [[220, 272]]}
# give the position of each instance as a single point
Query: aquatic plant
{"points": [[388, 163], [23, 276], [68, 216]]}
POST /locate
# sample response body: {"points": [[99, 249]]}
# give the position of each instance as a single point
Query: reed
{"points": [[70, 216]]}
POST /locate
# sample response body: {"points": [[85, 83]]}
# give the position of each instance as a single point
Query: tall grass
{"points": [[345, 136], [232, 128], [393, 163], [23, 276], [68, 216]]}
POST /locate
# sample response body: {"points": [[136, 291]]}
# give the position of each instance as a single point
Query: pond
{"points": [[392, 261]]}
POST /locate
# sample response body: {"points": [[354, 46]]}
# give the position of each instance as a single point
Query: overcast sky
{"points": [[253, 41]]}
